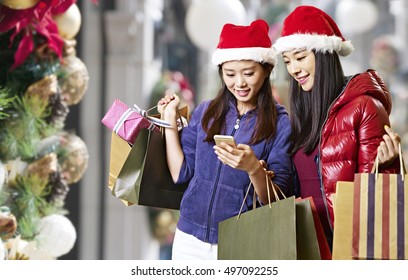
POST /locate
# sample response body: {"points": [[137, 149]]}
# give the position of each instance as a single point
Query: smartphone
{"points": [[228, 139]]}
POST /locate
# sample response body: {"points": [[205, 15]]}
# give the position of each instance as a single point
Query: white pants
{"points": [[189, 247]]}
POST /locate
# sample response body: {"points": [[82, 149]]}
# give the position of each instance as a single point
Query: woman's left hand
{"points": [[388, 149], [242, 157]]}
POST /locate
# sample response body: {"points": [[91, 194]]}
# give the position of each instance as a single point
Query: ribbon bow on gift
{"points": [[154, 120]]}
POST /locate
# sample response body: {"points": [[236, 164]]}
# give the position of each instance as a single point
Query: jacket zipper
{"points": [[319, 161], [207, 235]]}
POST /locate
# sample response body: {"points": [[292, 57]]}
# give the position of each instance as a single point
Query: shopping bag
{"points": [[131, 172], [307, 242], [282, 230], [157, 188], [144, 178], [119, 151], [380, 211], [324, 248], [125, 124], [343, 220], [264, 233], [369, 216]]}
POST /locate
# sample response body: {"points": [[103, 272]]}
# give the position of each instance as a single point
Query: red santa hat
{"points": [[245, 43], [311, 28]]}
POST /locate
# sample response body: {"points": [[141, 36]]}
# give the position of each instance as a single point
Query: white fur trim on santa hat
{"points": [[320, 43], [261, 55]]}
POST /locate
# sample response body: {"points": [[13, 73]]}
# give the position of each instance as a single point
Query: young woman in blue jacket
{"points": [[219, 176]]}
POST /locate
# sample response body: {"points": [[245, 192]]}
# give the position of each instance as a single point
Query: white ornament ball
{"points": [[356, 16], [19, 4], [56, 235], [2, 251], [69, 22], [205, 19]]}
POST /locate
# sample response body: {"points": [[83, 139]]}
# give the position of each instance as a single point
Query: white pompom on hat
{"points": [[245, 43], [311, 28]]}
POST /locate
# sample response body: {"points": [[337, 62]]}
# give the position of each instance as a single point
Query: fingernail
{"points": [[386, 127]]}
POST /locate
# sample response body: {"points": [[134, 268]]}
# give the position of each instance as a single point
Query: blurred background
{"points": [[134, 50]]}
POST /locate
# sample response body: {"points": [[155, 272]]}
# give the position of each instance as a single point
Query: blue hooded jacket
{"points": [[216, 191]]}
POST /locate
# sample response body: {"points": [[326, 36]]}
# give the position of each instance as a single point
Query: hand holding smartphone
{"points": [[228, 139]]}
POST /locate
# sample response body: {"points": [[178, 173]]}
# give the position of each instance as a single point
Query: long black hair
{"points": [[213, 121], [308, 110]]}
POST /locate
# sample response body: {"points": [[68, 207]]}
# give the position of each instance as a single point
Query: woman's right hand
{"points": [[169, 102]]}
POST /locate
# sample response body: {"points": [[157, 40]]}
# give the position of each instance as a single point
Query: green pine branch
{"points": [[6, 102], [25, 127], [26, 198]]}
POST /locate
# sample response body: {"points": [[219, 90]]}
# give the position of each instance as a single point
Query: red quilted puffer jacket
{"points": [[353, 131]]}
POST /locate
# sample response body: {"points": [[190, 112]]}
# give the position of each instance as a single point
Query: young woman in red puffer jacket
{"points": [[338, 122]]}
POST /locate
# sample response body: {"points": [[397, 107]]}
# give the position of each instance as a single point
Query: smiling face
{"points": [[244, 79], [301, 65]]}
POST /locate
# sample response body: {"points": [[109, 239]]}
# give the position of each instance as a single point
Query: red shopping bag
{"points": [[324, 248]]}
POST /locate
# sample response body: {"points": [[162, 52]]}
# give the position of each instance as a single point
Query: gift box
{"points": [[126, 122]]}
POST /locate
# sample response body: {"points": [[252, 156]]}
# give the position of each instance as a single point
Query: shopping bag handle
{"points": [[179, 117], [154, 120], [401, 160], [269, 183]]}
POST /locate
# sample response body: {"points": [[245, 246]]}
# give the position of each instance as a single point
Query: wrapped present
{"points": [[126, 122]]}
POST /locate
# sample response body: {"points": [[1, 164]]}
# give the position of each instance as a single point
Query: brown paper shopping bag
{"points": [[343, 220], [119, 151]]}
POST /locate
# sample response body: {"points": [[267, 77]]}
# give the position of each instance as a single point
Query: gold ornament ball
{"points": [[164, 219], [69, 22], [19, 4], [8, 225], [74, 80], [74, 160]]}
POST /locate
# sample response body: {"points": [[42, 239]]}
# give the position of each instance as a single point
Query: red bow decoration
{"points": [[37, 19]]}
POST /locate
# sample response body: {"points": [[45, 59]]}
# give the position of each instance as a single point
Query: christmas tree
{"points": [[40, 78]]}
